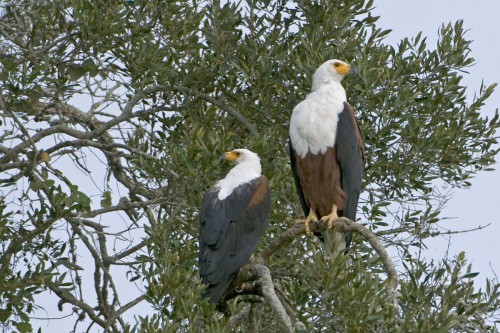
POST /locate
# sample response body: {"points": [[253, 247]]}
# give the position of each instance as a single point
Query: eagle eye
{"points": [[237, 153], [336, 64]]}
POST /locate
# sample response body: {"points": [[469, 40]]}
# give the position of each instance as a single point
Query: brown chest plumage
{"points": [[320, 179]]}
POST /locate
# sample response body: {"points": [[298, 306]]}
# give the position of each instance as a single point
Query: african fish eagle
{"points": [[326, 153], [234, 215]]}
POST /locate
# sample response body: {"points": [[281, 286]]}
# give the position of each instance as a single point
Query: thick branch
{"points": [[270, 295]]}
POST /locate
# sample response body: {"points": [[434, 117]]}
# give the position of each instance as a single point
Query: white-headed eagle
{"points": [[234, 215], [326, 153]]}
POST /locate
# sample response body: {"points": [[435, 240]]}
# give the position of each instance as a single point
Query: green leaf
{"points": [[470, 275], [75, 72], [24, 327], [4, 315], [90, 66], [106, 201]]}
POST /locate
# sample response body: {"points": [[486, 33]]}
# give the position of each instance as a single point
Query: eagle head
{"points": [[240, 156], [332, 69]]}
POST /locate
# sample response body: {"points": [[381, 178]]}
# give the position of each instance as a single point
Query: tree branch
{"points": [[270, 295], [284, 238], [124, 308], [123, 206], [66, 296]]}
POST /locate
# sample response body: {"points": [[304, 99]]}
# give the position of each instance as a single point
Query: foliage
{"points": [[113, 116]]}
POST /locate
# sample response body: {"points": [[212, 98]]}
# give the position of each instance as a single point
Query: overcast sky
{"points": [[480, 204]]}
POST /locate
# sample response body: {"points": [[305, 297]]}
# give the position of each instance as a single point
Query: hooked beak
{"points": [[229, 156]]}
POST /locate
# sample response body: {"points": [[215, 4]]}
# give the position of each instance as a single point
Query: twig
{"points": [[284, 238], [65, 295], [123, 206], [453, 232], [287, 303], [126, 307]]}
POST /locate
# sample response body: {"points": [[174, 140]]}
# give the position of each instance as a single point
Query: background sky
{"points": [[479, 205]]}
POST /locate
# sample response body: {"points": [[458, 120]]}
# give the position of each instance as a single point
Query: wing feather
{"points": [[296, 178], [349, 145], [230, 232]]}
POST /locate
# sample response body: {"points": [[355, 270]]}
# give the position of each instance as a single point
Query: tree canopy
{"points": [[114, 113]]}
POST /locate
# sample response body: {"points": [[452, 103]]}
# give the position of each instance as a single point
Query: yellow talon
{"points": [[330, 218], [312, 217], [307, 227]]}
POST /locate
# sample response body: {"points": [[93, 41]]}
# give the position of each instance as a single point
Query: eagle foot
{"points": [[310, 218], [306, 224], [330, 218]]}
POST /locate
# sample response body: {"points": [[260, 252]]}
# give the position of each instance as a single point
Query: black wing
{"points": [[349, 146], [296, 178], [230, 230]]}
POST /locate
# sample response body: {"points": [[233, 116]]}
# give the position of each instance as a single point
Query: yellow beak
{"points": [[231, 155], [344, 69]]}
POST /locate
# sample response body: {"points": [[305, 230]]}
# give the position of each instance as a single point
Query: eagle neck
{"points": [[325, 78], [238, 175], [333, 88]]}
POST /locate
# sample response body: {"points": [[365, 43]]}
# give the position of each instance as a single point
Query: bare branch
{"points": [[89, 143], [126, 307], [453, 232], [270, 295], [126, 253], [124, 206], [141, 95], [284, 238], [106, 98]]}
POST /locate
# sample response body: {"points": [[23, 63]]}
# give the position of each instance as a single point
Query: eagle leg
{"points": [[332, 217], [312, 217]]}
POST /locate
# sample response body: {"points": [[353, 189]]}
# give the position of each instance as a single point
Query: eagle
{"points": [[234, 215], [326, 154]]}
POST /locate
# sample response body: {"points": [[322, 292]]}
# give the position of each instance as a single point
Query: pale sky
{"points": [[480, 204]]}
